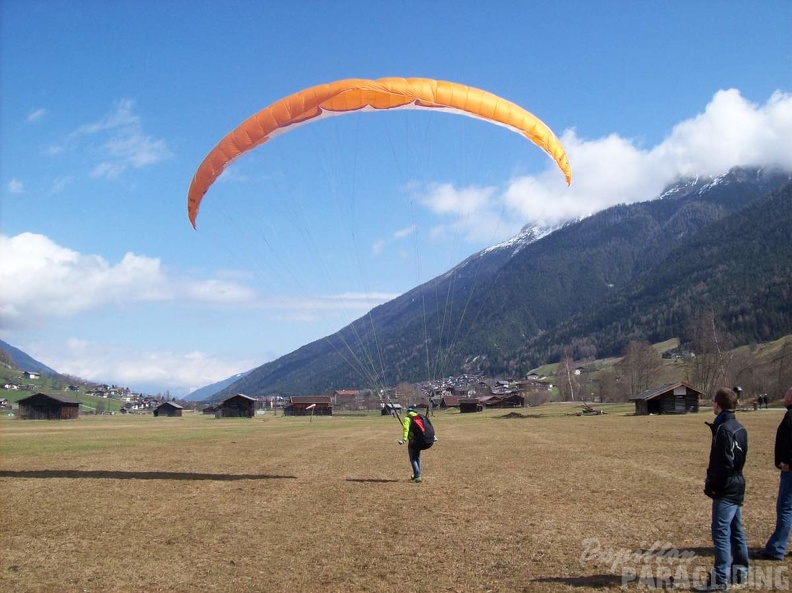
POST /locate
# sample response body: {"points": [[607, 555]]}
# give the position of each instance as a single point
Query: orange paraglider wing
{"points": [[347, 96]]}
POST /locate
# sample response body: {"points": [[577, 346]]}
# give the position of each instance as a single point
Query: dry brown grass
{"points": [[195, 504]]}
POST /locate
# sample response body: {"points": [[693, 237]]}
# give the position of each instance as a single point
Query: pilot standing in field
{"points": [[776, 546], [412, 447], [725, 485]]}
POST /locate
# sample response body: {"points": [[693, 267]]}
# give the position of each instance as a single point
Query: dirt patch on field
{"points": [[520, 415]]}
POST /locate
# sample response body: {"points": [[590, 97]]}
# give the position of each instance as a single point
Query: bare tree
{"points": [[741, 370], [610, 387], [641, 364], [535, 397], [586, 387], [784, 381], [566, 379], [407, 393], [5, 358], [707, 368]]}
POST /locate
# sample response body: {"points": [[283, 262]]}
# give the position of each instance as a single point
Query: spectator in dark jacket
{"points": [[777, 544], [725, 485]]}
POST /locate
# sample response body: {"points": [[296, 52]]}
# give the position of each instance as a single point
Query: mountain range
{"points": [[637, 271], [24, 361], [208, 391]]}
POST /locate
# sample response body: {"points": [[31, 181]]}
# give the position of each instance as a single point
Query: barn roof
{"points": [[311, 399], [59, 398], [242, 395], [177, 406], [660, 390]]}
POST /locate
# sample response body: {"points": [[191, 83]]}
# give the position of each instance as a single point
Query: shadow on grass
{"points": [[122, 475], [699, 551], [594, 581], [371, 480]]}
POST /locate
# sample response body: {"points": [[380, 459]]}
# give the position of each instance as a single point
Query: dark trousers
{"points": [[415, 460]]}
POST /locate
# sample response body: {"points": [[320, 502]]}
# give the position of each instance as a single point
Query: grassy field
{"points": [[194, 504]]}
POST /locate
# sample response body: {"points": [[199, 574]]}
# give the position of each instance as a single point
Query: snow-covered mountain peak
{"points": [[528, 234]]}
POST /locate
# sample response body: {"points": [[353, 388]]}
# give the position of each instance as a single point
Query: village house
{"points": [[464, 391], [345, 399], [535, 382]]}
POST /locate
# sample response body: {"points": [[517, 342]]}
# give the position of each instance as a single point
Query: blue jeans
{"points": [[777, 544], [731, 547], [415, 460]]}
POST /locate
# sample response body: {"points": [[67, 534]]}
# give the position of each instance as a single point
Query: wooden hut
{"points": [[670, 398], [168, 409], [391, 409], [449, 401], [469, 405], [506, 400], [236, 406], [209, 410], [308, 405], [45, 406]]}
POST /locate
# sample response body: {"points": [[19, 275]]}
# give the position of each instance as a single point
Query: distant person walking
{"points": [[777, 544], [419, 434], [725, 485]]}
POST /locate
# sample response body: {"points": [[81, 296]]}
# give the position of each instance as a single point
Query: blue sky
{"points": [[107, 108]]}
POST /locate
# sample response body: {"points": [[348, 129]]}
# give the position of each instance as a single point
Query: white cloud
{"points": [[306, 309], [122, 117], [42, 284], [42, 280], [730, 132], [405, 232], [136, 149], [115, 143], [476, 212], [443, 198], [378, 247], [37, 115], [59, 184], [15, 186], [147, 370]]}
